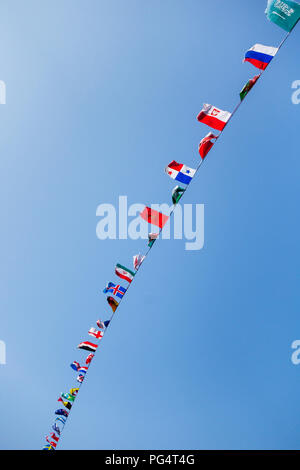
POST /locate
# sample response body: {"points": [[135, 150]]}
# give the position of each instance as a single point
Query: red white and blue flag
{"points": [[115, 289], [180, 172], [260, 56]]}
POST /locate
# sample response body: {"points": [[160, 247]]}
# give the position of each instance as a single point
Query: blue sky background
{"points": [[101, 95]]}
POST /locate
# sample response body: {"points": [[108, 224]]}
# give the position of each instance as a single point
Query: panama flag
{"points": [[124, 273], [180, 172], [213, 117], [260, 56], [87, 346], [153, 217]]}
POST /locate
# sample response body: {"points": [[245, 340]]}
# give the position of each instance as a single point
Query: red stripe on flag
{"points": [[153, 217]]}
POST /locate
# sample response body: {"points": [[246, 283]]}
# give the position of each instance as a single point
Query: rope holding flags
{"points": [[285, 14]]}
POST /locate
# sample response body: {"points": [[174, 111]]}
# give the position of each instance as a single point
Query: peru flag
{"points": [[213, 117], [206, 144], [153, 217]]}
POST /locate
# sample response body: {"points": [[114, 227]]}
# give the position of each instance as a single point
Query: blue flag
{"points": [[115, 289]]}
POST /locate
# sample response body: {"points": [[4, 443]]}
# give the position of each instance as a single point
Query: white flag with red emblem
{"points": [[213, 117]]}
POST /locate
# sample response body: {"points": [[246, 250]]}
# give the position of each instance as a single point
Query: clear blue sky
{"points": [[101, 95]]}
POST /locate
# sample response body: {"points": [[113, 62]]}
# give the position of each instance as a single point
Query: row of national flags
{"points": [[285, 14]]}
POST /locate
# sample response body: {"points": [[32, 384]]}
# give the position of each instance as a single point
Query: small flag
{"points": [[151, 238], [248, 86], [180, 172], [83, 370], [213, 117], [260, 56], [74, 391], [68, 396], [80, 378], [52, 443], [62, 412], [87, 346], [113, 303], [100, 324], [206, 144], [56, 429], [54, 437], [96, 333], [177, 194], [61, 419], [65, 403], [89, 358], [75, 365], [115, 289], [154, 217], [285, 13], [124, 273], [48, 447], [137, 261]]}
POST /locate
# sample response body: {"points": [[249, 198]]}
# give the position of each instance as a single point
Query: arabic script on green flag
{"points": [[284, 13]]}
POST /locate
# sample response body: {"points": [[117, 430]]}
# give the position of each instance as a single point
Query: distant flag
{"points": [[124, 273], [56, 429], [106, 323], [151, 238], [137, 261], [115, 289], [89, 358], [61, 419], [96, 333], [213, 117], [54, 437], [75, 365], [248, 86], [177, 193], [62, 412], [154, 217], [74, 391], [285, 13], [65, 403], [100, 324], [80, 378], [83, 370], [52, 443], [206, 144], [260, 56], [113, 303], [180, 172], [87, 346], [48, 447], [68, 396]]}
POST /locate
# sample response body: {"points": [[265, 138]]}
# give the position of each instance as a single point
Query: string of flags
{"points": [[286, 15]]}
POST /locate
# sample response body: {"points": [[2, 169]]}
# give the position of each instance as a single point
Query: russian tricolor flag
{"points": [[260, 56]]}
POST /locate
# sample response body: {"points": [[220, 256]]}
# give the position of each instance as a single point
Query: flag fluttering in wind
{"points": [[62, 412], [115, 289], [283, 13], [87, 346], [206, 144], [248, 86], [96, 333], [89, 358], [124, 273], [68, 396], [75, 365], [213, 117], [113, 303], [180, 172], [177, 193], [151, 238], [137, 261], [100, 324], [154, 217], [80, 378], [260, 56], [56, 429], [74, 391]]}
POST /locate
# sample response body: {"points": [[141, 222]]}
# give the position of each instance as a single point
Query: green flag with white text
{"points": [[284, 13]]}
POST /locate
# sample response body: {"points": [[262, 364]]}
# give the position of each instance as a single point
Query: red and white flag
{"points": [[96, 333], [213, 117], [137, 261], [206, 144], [154, 217]]}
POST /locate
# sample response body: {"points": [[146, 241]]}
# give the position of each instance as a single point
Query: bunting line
{"points": [[99, 335]]}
